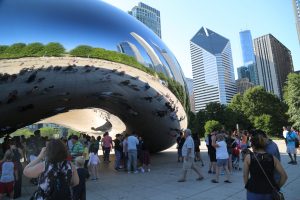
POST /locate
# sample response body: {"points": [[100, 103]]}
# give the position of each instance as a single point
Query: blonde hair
{"points": [[79, 161]]}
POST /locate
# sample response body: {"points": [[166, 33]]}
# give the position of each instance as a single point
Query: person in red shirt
{"points": [[107, 145]]}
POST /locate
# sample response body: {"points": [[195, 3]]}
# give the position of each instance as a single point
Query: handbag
{"points": [[296, 143], [276, 195]]}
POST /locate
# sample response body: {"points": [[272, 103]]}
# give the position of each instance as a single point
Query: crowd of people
{"points": [[262, 170], [60, 167]]}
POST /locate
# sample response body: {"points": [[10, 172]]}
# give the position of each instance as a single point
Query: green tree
{"points": [[49, 132], [82, 51], [264, 122], [15, 50], [212, 125], [33, 49], [72, 132], [292, 98], [23, 131], [54, 49], [3, 48]]}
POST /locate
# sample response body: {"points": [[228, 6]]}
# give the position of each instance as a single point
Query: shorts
{"points": [[6, 187], [188, 164], [291, 149], [179, 152], [222, 162]]}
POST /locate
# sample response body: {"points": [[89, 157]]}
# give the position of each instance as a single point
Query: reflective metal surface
{"points": [[33, 89], [88, 22]]}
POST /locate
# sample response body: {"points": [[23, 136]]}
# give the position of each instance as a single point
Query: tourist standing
{"points": [[261, 166], [94, 163], [197, 143], [132, 143], [212, 152], [55, 173], [107, 145], [118, 151], [291, 137], [77, 147], [9, 174], [222, 158], [79, 191], [17, 154], [188, 157], [180, 141]]}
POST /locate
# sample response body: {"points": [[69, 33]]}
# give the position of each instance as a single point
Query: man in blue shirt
{"points": [[291, 137]]}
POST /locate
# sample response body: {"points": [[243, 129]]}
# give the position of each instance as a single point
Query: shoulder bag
{"points": [[276, 195]]}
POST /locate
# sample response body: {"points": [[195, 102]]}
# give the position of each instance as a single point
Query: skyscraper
{"points": [[131, 50], [296, 5], [243, 72], [148, 16], [248, 55], [212, 68], [274, 63]]}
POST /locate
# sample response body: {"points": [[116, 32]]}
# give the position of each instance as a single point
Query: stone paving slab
{"points": [[161, 183]]}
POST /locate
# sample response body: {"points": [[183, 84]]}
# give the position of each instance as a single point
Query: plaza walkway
{"points": [[161, 183]]}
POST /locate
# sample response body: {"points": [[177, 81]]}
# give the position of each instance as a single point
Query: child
{"points": [[79, 191], [93, 164], [8, 170], [222, 158]]}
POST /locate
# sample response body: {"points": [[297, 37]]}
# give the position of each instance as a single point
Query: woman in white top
{"points": [[222, 158]]}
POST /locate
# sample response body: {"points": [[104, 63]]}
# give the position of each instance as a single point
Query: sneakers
{"points": [[200, 178], [136, 172], [181, 180], [227, 181], [142, 170], [149, 170], [294, 163], [291, 162]]}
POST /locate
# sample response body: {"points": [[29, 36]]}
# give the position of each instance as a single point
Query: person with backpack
{"points": [[291, 138], [56, 175]]}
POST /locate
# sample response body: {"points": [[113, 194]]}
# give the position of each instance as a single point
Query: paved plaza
{"points": [[161, 183]]}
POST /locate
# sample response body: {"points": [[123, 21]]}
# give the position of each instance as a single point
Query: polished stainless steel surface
{"points": [[36, 88], [88, 22]]}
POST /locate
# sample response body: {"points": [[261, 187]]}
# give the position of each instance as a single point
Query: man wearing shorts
{"points": [[188, 150]]}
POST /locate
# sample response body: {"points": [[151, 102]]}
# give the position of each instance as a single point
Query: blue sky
{"points": [[181, 19]]}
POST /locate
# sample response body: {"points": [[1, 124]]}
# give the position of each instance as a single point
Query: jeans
{"points": [[256, 196], [106, 153], [118, 158], [132, 160]]}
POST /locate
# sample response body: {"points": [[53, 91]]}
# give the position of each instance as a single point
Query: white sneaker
{"points": [[142, 170], [136, 172], [149, 170]]}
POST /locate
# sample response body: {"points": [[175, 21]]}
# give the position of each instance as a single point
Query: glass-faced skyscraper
{"points": [[296, 5], [212, 68], [148, 16], [248, 55]]}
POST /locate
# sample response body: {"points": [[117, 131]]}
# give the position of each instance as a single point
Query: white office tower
{"points": [[213, 72]]}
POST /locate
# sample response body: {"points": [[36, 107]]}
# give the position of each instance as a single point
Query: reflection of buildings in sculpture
{"points": [[212, 68], [148, 16], [172, 66], [156, 63], [190, 87], [243, 84], [274, 63], [130, 50]]}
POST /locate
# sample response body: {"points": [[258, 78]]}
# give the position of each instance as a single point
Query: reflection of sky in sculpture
{"points": [[75, 22]]}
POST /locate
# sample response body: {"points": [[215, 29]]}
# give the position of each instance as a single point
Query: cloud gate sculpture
{"points": [[40, 86]]}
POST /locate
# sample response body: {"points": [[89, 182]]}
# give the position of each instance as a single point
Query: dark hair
{"points": [[37, 132], [8, 156], [75, 137], [56, 151], [258, 139]]}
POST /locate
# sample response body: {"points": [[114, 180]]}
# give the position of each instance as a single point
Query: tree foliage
{"points": [[33, 49], [23, 131], [264, 122], [54, 49], [292, 98], [49, 132], [212, 125]]}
